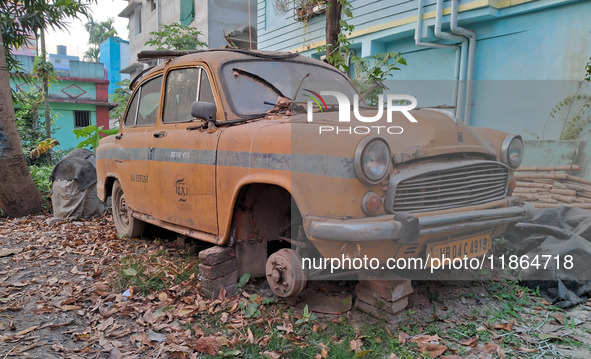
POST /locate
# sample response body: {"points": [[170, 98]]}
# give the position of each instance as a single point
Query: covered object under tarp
{"points": [[560, 239], [74, 186]]}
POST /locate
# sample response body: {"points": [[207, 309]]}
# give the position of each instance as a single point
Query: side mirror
{"points": [[203, 111]]}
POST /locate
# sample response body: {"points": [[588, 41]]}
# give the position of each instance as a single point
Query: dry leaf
{"points": [[275, 354], [559, 318], [5, 252], [506, 326], [324, 353], [208, 345], [433, 350], [425, 338], [162, 297], [356, 345], [70, 307], [250, 336], [402, 337], [104, 325], [472, 342]]}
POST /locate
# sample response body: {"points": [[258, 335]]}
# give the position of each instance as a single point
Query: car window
{"points": [[205, 91], [181, 92], [149, 101], [131, 111]]}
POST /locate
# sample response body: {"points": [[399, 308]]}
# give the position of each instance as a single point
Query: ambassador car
{"points": [[253, 150]]}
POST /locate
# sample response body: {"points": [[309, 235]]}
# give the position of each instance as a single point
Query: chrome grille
{"points": [[438, 186]]}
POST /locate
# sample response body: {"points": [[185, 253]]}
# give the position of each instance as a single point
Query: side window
{"points": [[131, 111], [205, 92], [149, 101], [181, 91]]}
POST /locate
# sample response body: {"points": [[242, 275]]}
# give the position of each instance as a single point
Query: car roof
{"points": [[215, 58]]}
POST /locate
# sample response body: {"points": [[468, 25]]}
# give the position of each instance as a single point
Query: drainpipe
{"points": [[471, 35], [460, 67], [419, 31]]}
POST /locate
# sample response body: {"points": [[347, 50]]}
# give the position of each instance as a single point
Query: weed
{"points": [[307, 316]]}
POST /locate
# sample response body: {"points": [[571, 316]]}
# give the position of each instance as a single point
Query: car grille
{"points": [[438, 186]]}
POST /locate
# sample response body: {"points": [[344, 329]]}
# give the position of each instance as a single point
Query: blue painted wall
{"points": [[114, 53], [529, 55]]}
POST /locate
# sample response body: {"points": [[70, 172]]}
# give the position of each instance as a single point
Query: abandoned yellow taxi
{"points": [[249, 149]]}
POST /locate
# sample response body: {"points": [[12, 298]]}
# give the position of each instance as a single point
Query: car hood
{"points": [[433, 134]]}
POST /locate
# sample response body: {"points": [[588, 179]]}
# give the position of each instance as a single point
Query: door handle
{"points": [[160, 134]]}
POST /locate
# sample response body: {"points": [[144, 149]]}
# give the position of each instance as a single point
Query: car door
{"points": [[135, 141], [183, 159]]}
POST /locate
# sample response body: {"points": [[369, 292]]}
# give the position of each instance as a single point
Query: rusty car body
{"points": [[198, 154]]}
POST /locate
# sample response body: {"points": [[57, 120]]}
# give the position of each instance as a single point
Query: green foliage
{"points": [[574, 108], [243, 280], [27, 118], [307, 316], [92, 134], [93, 54], [339, 57], [34, 16], [252, 307], [176, 37], [370, 72], [43, 69], [41, 177], [97, 33], [120, 96]]}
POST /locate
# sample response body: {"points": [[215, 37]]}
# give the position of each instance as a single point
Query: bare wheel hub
{"points": [[285, 274]]}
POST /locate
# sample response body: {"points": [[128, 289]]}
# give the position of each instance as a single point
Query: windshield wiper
{"points": [[259, 79]]}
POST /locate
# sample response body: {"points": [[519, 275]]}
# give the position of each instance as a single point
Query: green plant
{"points": [[244, 278], [251, 308], [120, 97], [41, 177], [307, 316], [176, 37], [370, 72], [92, 134], [576, 118]]}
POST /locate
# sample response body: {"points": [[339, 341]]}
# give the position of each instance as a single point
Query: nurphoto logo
{"points": [[393, 104]]}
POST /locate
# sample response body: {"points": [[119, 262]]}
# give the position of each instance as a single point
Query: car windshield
{"points": [[253, 86]]}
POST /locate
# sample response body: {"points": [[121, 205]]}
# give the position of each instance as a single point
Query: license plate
{"points": [[471, 247]]}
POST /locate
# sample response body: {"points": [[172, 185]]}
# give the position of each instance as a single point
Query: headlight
{"points": [[512, 151], [372, 160]]}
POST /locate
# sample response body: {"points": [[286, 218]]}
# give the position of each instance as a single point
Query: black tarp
{"points": [[556, 232]]}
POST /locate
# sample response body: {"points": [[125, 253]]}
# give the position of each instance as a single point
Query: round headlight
{"points": [[512, 151], [372, 160]]}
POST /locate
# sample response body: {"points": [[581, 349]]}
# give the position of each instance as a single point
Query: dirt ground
{"points": [[62, 295]]}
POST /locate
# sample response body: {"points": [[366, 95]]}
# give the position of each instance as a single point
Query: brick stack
{"points": [[218, 269], [548, 187], [382, 299]]}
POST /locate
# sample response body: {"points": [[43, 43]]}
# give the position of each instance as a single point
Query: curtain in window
{"points": [[187, 12]]}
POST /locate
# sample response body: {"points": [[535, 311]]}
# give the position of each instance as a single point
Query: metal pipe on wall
{"points": [[471, 36], [460, 67]]}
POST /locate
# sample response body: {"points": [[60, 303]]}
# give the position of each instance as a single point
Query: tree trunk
{"points": [[45, 81], [333, 25], [18, 194]]}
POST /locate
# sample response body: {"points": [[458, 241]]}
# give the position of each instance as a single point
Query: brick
{"points": [[214, 255], [217, 270], [218, 283], [392, 307], [389, 290], [379, 313]]}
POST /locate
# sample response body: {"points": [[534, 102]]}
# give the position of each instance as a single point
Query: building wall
{"points": [[213, 18], [114, 53], [85, 89], [530, 55]]}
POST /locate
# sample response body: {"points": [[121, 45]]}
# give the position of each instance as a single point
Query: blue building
{"points": [[527, 55], [114, 53]]}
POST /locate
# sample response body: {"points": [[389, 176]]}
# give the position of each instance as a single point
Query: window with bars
{"points": [[81, 119]]}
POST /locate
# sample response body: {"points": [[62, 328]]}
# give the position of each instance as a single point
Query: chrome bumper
{"points": [[405, 228]]}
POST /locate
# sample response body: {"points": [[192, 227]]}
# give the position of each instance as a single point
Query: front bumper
{"points": [[406, 228]]}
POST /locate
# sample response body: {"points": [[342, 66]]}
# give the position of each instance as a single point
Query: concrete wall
{"points": [[556, 153], [64, 118]]}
